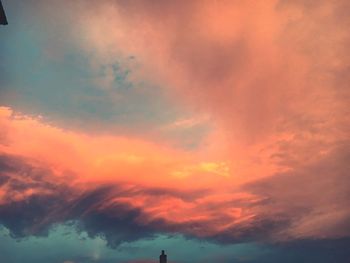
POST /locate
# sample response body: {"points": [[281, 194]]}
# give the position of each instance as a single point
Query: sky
{"points": [[217, 130]]}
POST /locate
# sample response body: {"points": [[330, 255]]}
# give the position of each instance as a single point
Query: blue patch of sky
{"points": [[64, 88], [65, 244]]}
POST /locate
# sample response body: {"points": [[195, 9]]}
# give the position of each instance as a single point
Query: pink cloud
{"points": [[271, 76]]}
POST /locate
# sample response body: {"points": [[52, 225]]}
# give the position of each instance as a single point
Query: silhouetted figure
{"points": [[162, 257], [3, 20]]}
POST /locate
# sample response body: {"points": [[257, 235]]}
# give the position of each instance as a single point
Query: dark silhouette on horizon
{"points": [[3, 19], [162, 258]]}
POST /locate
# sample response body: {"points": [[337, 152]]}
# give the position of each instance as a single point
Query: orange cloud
{"points": [[271, 76], [100, 158], [188, 195]]}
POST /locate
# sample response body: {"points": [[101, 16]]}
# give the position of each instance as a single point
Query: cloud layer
{"points": [[126, 202], [270, 77]]}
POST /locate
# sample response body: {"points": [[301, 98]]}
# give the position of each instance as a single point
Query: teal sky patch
{"points": [[63, 86], [65, 244]]}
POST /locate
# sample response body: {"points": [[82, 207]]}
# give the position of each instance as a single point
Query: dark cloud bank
{"points": [[52, 202]]}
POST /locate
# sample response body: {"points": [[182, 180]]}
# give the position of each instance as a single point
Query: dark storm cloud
{"points": [[34, 201], [117, 222], [51, 202], [22, 213], [96, 210]]}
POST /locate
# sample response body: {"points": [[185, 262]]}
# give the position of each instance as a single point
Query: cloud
{"points": [[248, 66], [130, 189], [256, 70], [271, 76], [32, 202], [313, 197], [36, 194]]}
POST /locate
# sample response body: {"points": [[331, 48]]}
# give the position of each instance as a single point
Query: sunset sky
{"points": [[215, 130]]}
